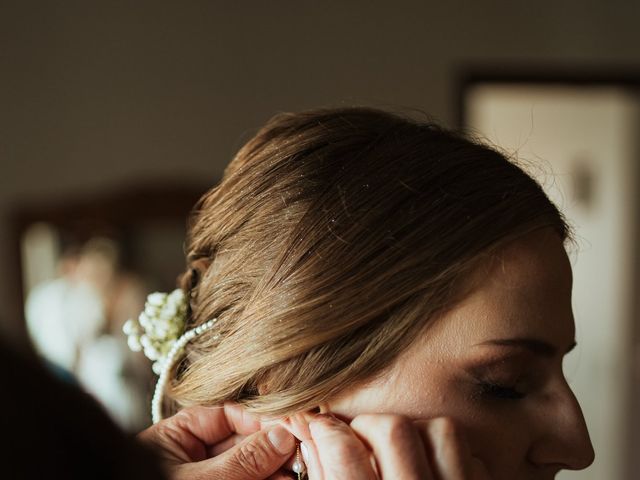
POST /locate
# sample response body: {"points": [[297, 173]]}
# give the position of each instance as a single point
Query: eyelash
{"points": [[502, 392]]}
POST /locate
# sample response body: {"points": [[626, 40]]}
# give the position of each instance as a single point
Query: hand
{"points": [[220, 442], [381, 446]]}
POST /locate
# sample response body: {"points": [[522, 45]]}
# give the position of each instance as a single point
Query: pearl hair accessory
{"points": [[157, 332], [159, 325], [156, 402]]}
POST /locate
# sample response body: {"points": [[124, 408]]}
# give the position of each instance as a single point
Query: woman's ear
{"points": [[198, 268]]}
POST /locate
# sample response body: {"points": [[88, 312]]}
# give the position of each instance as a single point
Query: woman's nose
{"points": [[563, 438]]}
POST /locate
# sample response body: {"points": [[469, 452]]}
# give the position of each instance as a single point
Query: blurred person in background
{"points": [[75, 322]]}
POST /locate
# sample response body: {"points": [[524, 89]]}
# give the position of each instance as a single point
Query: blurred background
{"points": [[116, 116]]}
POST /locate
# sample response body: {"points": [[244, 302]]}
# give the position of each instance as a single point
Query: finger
{"points": [[311, 459], [213, 424], [186, 436], [449, 452], [341, 453], [397, 446], [257, 457], [224, 445], [298, 425], [234, 440], [240, 420]]}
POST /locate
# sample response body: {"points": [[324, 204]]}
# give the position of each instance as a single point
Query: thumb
{"points": [[257, 457]]}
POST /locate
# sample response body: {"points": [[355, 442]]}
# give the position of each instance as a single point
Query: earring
{"points": [[298, 465]]}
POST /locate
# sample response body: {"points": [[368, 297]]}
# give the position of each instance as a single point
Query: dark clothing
{"points": [[54, 430]]}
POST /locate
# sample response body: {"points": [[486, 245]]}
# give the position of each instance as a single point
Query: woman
{"points": [[406, 283]]}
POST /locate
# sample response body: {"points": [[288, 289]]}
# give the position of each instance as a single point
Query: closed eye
{"points": [[500, 391]]}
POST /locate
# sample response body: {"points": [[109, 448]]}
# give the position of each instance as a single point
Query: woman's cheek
{"points": [[501, 442]]}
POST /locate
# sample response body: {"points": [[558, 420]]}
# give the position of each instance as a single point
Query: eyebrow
{"points": [[539, 347]]}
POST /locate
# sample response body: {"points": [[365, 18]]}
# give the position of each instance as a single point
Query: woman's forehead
{"points": [[538, 258], [524, 290]]}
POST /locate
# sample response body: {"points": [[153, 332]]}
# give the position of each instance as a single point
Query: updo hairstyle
{"points": [[333, 240]]}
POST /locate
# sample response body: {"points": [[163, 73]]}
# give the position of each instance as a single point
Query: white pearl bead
{"points": [[156, 401], [297, 467]]}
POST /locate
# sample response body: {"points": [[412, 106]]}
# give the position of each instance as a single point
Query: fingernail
{"points": [[281, 439], [305, 452]]}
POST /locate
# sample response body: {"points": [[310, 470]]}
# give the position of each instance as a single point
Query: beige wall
{"points": [[97, 94]]}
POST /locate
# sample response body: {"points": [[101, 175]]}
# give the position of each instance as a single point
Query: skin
{"points": [[481, 395], [490, 368], [219, 442]]}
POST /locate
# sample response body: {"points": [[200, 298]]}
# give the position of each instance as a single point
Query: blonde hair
{"points": [[333, 239]]}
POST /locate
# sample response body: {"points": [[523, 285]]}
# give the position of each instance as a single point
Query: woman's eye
{"points": [[500, 391]]}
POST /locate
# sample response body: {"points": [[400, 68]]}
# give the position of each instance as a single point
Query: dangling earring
{"points": [[298, 465]]}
